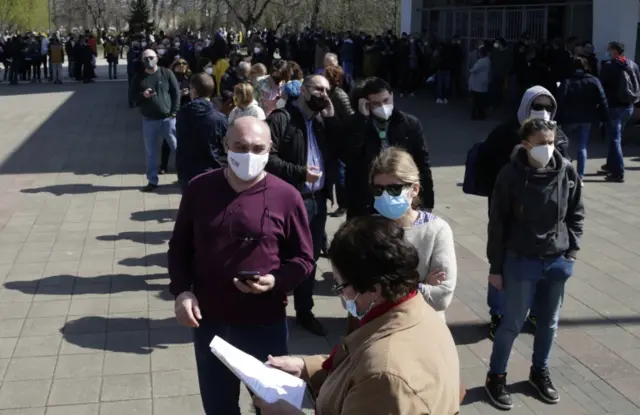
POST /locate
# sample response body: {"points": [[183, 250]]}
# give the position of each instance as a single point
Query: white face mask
{"points": [[542, 154], [540, 115], [383, 112], [281, 103], [177, 44], [144, 44], [247, 166], [161, 52], [209, 71], [256, 50]]}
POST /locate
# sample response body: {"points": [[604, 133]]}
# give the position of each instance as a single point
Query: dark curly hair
{"points": [[372, 250]]}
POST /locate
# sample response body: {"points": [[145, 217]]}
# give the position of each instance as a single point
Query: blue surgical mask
{"points": [[352, 308], [607, 55], [392, 207]]}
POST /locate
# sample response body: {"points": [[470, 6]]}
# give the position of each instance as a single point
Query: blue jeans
{"points": [[153, 132], [219, 387], [316, 207], [579, 133], [618, 118], [443, 83], [522, 277]]}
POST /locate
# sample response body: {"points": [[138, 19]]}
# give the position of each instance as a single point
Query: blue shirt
{"points": [[314, 158]]}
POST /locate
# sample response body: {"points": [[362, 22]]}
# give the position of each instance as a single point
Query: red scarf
{"points": [[374, 313]]}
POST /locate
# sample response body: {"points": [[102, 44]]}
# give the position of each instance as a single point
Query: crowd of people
{"points": [[263, 145], [266, 136]]}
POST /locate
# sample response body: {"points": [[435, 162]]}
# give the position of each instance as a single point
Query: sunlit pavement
{"points": [[86, 324]]}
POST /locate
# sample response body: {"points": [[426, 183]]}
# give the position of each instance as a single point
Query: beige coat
{"points": [[402, 363]]}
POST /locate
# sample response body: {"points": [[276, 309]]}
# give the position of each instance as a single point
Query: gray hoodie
{"points": [[535, 212], [529, 96]]}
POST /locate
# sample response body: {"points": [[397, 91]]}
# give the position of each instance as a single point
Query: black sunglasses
{"points": [[392, 189], [337, 289], [542, 107]]}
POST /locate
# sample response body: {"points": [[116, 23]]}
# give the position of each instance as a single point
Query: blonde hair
{"points": [[396, 162], [258, 70], [243, 94]]}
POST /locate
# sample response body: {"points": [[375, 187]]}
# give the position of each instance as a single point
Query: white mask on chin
{"points": [[384, 112], [281, 103], [542, 154], [247, 166], [540, 115]]}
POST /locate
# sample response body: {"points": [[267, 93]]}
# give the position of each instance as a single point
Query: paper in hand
{"points": [[270, 384]]}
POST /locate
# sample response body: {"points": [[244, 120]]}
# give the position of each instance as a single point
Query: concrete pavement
{"points": [[86, 324]]}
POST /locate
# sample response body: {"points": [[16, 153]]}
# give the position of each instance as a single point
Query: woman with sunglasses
{"points": [[395, 183], [535, 224], [403, 359]]}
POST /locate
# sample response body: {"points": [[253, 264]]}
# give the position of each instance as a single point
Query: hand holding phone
{"points": [[148, 93], [245, 276]]}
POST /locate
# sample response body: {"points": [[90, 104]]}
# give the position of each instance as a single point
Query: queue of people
{"points": [[260, 158]]}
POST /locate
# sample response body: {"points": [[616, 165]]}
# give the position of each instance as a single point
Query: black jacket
{"points": [[200, 129], [288, 158], [496, 150], [362, 145], [535, 212], [610, 74], [581, 99]]}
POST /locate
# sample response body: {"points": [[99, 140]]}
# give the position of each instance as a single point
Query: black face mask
{"points": [[317, 104]]}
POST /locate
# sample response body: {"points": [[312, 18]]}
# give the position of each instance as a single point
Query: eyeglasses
{"points": [[542, 107], [392, 189], [337, 289], [265, 216]]}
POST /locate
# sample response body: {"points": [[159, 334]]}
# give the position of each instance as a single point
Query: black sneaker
{"points": [[338, 213], [493, 326], [614, 179], [496, 387], [541, 381], [150, 187], [310, 323]]}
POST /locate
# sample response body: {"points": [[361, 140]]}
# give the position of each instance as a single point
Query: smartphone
{"points": [[245, 276], [316, 170]]}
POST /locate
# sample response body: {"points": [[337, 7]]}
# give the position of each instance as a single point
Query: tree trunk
{"points": [[315, 13]]}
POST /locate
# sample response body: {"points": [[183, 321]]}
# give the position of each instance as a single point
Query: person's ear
{"points": [[415, 190], [526, 144]]}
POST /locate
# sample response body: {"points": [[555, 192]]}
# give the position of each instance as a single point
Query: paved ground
{"points": [[86, 326]]}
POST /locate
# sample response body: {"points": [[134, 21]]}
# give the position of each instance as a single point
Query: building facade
{"points": [[600, 21]]}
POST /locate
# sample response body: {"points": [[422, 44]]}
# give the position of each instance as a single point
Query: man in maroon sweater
{"points": [[241, 242]]}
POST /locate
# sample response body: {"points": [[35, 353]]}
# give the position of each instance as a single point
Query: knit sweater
{"points": [[253, 110], [434, 242]]}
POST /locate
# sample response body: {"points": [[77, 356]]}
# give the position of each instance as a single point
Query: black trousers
{"points": [[480, 102]]}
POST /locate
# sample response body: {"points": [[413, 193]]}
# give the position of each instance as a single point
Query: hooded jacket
{"points": [[200, 129], [496, 150], [535, 212]]}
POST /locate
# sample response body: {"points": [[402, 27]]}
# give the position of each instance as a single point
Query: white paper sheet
{"points": [[268, 383]]}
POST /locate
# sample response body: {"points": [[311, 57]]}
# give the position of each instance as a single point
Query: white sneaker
{"points": [[446, 101], [439, 101]]}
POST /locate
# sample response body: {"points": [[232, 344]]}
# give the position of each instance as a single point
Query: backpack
{"points": [[470, 185], [628, 86]]}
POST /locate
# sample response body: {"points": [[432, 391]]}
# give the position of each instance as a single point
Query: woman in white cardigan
{"points": [[395, 182]]}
